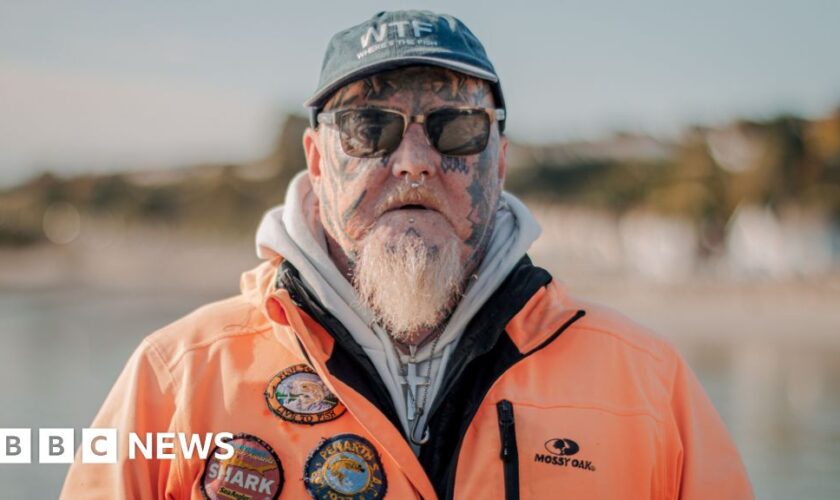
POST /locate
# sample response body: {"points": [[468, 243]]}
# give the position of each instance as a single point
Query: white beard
{"points": [[408, 285]]}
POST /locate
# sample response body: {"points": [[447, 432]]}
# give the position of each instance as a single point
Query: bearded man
{"points": [[397, 274]]}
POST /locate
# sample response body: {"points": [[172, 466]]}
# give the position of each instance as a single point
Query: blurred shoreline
{"points": [[687, 307]]}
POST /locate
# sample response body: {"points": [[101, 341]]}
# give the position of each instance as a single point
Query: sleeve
{"points": [[707, 463], [142, 400]]}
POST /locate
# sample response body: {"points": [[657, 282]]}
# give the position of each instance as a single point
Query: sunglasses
{"points": [[376, 132]]}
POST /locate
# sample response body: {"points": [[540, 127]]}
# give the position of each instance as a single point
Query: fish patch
{"points": [[297, 394], [253, 472], [345, 466]]}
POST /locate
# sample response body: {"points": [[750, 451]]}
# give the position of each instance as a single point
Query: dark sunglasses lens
{"points": [[369, 133], [459, 132]]}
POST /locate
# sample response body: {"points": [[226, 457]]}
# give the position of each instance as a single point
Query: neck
{"points": [[419, 338], [342, 261]]}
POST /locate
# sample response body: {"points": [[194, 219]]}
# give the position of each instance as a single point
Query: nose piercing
{"points": [[415, 184]]}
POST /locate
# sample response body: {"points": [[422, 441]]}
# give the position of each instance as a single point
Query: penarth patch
{"points": [[345, 467], [297, 394], [254, 471]]}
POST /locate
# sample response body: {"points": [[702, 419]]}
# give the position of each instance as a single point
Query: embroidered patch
{"points": [[345, 466], [254, 471], [298, 394]]}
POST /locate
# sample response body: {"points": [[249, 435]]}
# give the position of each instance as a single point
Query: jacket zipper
{"points": [[509, 453]]}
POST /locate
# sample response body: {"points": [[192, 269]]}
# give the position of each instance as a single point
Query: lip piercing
{"points": [[411, 220]]}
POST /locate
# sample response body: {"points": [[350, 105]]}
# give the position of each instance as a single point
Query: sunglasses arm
{"points": [[327, 118]]}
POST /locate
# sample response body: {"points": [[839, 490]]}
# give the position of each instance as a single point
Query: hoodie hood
{"points": [[294, 232]]}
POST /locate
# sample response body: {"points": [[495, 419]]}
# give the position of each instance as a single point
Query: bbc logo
{"points": [[57, 446]]}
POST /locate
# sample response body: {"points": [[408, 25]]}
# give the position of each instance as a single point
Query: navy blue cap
{"points": [[391, 40]]}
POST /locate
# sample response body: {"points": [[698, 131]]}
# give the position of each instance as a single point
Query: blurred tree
{"points": [[288, 156], [49, 188], [111, 192], [694, 187], [159, 204]]}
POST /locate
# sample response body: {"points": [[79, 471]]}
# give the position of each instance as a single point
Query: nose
{"points": [[415, 158]]}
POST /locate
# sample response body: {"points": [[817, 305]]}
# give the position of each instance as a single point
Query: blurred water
{"points": [[62, 350], [782, 407]]}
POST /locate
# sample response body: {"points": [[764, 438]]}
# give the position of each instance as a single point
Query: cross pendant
{"points": [[413, 381]]}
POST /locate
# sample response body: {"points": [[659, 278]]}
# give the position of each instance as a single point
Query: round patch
{"points": [[298, 394], [345, 466], [253, 472]]}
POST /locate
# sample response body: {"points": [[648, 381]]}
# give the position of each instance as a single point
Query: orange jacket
{"points": [[551, 397]]}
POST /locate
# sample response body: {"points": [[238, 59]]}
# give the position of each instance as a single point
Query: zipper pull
{"points": [[509, 453], [507, 431]]}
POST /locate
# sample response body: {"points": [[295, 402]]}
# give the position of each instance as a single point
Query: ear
{"points": [[503, 145], [312, 151]]}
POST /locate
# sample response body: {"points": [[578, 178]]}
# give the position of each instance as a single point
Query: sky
{"points": [[99, 85]]}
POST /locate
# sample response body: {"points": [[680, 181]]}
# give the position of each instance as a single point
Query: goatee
{"points": [[410, 287]]}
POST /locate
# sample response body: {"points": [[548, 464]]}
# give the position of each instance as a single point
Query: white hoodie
{"points": [[293, 231]]}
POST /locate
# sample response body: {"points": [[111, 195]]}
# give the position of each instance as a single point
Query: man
{"points": [[396, 292]]}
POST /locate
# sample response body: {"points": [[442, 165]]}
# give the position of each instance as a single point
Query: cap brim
{"points": [[387, 64]]}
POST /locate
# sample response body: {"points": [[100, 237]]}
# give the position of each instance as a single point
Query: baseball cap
{"points": [[390, 40]]}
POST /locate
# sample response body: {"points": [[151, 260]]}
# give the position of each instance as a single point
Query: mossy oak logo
{"points": [[559, 451], [562, 447]]}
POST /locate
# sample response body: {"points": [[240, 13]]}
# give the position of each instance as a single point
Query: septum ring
{"points": [[415, 184]]}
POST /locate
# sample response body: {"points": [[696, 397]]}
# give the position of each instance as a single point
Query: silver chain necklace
{"points": [[414, 382]]}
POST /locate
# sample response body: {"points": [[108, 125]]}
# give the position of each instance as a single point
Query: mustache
{"points": [[403, 195]]}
